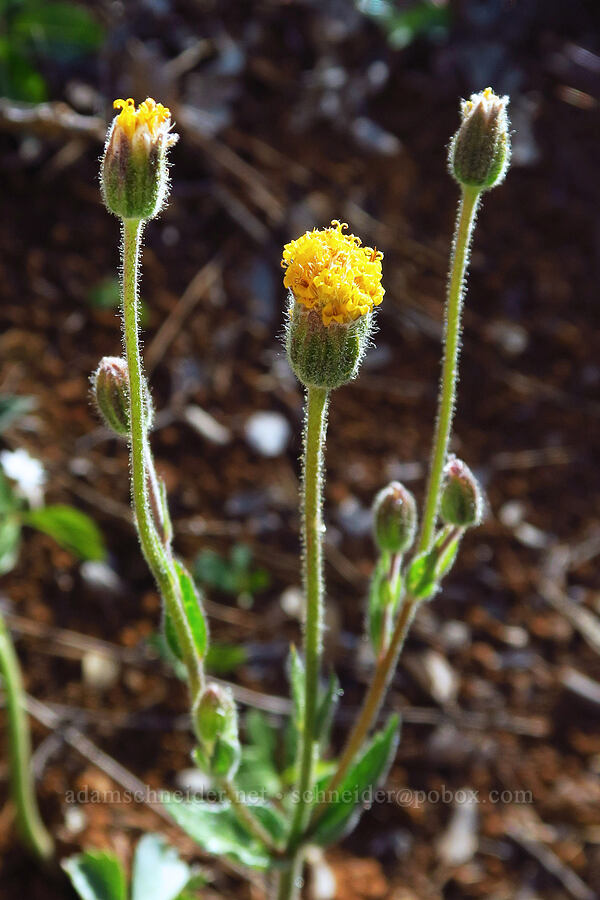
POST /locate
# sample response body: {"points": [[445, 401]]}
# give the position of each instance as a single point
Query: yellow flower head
{"points": [[148, 122], [331, 272]]}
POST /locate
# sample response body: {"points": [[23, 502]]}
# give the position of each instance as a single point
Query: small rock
{"points": [[530, 536], [459, 842], [207, 426], [292, 602], [511, 513], [323, 885], [99, 671], [99, 575], [75, 819], [455, 635], [268, 433], [442, 680]]}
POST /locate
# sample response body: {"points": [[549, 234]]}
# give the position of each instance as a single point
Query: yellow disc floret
{"points": [[149, 115], [333, 273]]}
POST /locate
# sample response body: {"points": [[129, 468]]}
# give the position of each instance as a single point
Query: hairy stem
{"points": [[312, 535], [153, 549], [372, 702], [29, 821], [447, 396]]}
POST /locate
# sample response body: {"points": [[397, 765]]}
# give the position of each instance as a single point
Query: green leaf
{"points": [[57, 29], [97, 875], [295, 671], [71, 528], [297, 683], [381, 598], [235, 575], [193, 609], [10, 542], [19, 80], [421, 580], [105, 294], [158, 872], [261, 734], [258, 769], [216, 829], [221, 659], [13, 407], [448, 556], [328, 702], [372, 767]]}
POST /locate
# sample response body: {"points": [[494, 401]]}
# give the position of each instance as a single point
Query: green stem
{"points": [[288, 880], [372, 702], [29, 821], [447, 397], [312, 535], [153, 549]]}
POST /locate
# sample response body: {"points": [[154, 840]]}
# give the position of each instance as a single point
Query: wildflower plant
{"points": [[334, 288]]}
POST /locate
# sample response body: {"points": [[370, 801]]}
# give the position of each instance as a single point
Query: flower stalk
{"points": [[156, 554], [29, 821], [312, 539], [452, 329]]}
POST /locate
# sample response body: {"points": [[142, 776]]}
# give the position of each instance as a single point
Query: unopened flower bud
{"points": [[134, 175], [461, 502], [480, 150], [110, 388], [334, 283], [394, 518], [217, 730]]}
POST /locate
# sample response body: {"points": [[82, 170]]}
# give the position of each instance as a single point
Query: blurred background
{"points": [[291, 114]]}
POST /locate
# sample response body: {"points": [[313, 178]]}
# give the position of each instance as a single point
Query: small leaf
{"points": [[421, 579], [295, 671], [10, 542], [216, 829], [221, 659], [158, 872], [71, 528], [19, 80], [297, 683], [13, 407], [367, 772], [447, 557], [97, 875], [326, 710], [58, 29], [261, 734], [193, 609]]}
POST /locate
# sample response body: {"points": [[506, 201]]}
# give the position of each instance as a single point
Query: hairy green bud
{"points": [[110, 389], [325, 356], [479, 152], [215, 717], [394, 518], [461, 502]]}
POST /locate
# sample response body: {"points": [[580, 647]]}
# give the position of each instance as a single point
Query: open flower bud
{"points": [[461, 502], [134, 175], [334, 283], [217, 730], [110, 388], [480, 150], [394, 518]]}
